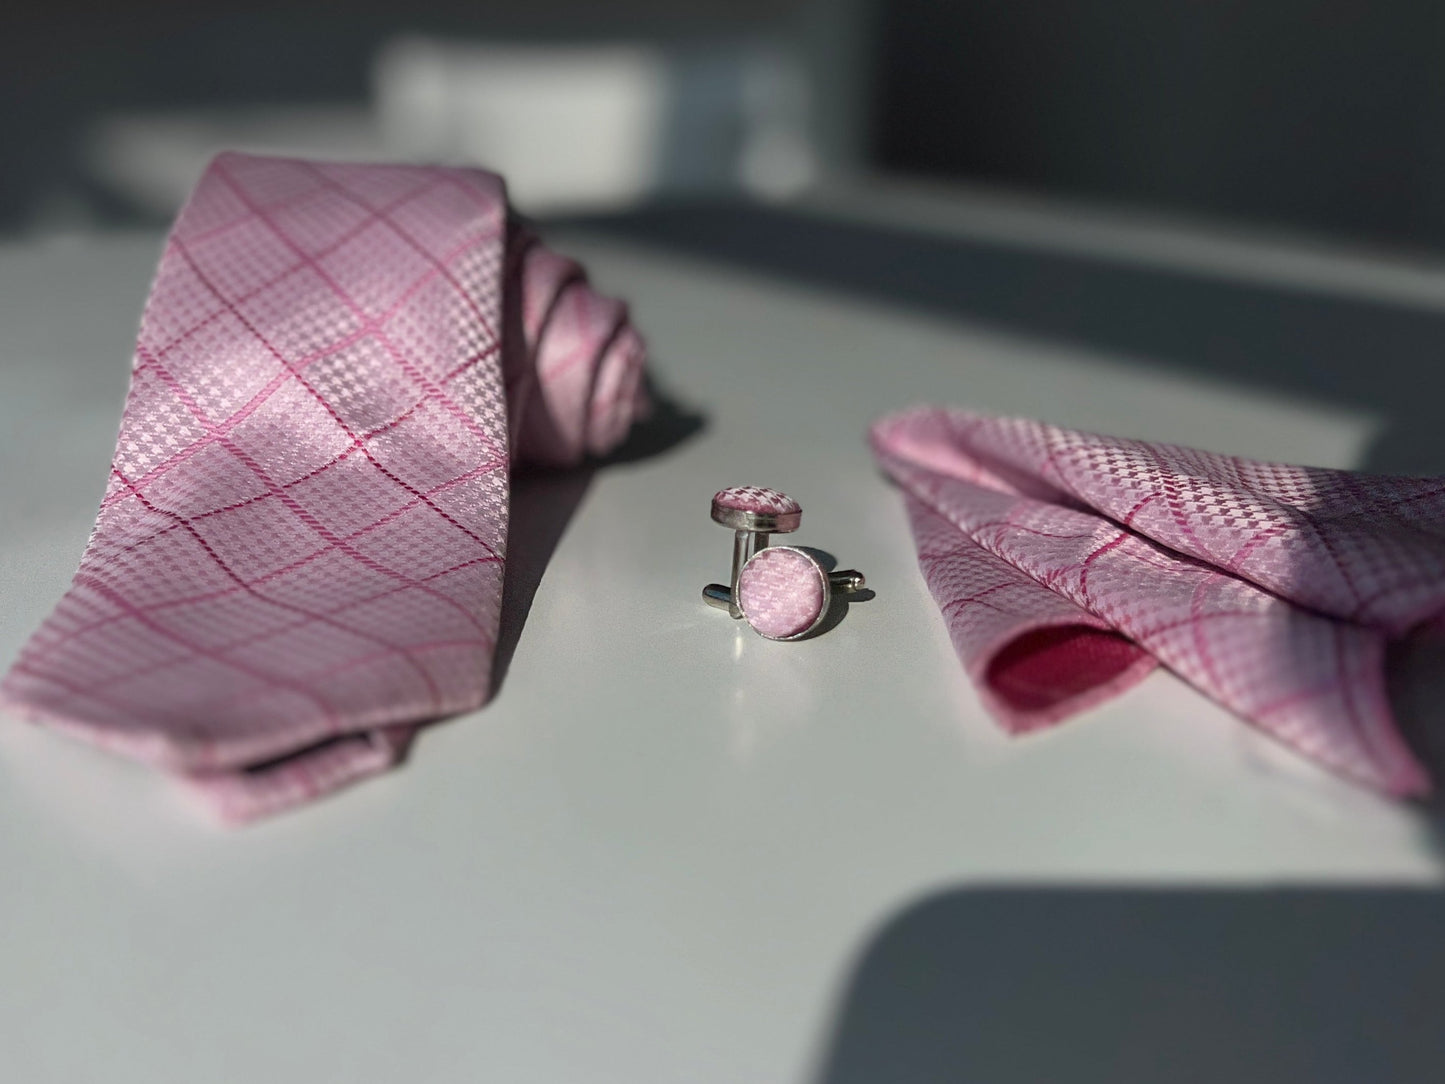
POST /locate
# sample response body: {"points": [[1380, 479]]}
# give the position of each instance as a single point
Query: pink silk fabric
{"points": [[300, 552], [780, 592], [1068, 564]]}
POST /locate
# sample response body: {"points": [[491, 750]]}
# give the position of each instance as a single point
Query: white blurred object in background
{"points": [[574, 127], [568, 125], [602, 126], [778, 158], [153, 160]]}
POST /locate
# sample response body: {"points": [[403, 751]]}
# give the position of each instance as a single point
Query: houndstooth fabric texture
{"points": [[299, 555], [1066, 563], [756, 499], [780, 592]]}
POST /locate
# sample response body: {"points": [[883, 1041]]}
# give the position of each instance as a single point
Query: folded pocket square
{"points": [[1068, 564]]}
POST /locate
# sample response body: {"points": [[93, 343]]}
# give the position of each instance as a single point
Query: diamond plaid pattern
{"points": [[1065, 563], [299, 555]]}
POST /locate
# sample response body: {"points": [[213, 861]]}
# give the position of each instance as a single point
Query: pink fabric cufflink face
{"points": [[783, 593], [757, 500]]}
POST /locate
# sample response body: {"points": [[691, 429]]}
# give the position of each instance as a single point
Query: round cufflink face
{"points": [[783, 593], [753, 508]]}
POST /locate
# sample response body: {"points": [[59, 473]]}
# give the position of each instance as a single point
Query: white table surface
{"points": [[661, 852]]}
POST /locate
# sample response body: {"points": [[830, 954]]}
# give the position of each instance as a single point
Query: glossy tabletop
{"points": [[670, 850]]}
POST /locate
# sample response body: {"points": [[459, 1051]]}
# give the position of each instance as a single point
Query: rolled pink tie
{"points": [[299, 556], [1068, 564]]}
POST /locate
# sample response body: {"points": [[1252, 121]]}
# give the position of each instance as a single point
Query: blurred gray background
{"points": [[1321, 115], [1317, 116]]}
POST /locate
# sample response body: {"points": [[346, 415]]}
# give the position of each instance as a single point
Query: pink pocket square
{"points": [[1068, 564]]}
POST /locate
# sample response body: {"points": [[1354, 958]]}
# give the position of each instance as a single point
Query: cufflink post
{"points": [[754, 513]]}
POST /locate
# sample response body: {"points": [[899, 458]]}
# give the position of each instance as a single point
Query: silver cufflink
{"points": [[783, 592]]}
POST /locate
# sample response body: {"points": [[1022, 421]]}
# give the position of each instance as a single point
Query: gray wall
{"points": [[65, 62], [1320, 114]]}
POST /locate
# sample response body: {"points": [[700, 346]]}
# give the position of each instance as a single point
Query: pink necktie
{"points": [[1067, 563], [299, 555]]}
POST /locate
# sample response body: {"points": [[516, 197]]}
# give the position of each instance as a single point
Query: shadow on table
{"points": [[543, 503], [1120, 986], [1415, 669], [1355, 352], [840, 600]]}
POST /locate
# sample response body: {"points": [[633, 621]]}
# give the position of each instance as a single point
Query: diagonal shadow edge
{"points": [[1361, 352], [544, 502], [1116, 985]]}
